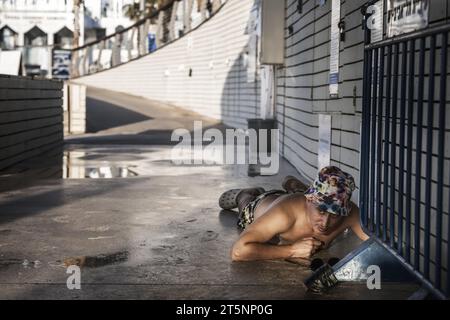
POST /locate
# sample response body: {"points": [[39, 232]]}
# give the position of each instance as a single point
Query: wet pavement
{"points": [[139, 226]]}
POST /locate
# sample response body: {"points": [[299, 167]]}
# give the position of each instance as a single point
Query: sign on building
{"points": [[324, 146], [405, 16], [334, 47], [375, 21], [61, 64]]}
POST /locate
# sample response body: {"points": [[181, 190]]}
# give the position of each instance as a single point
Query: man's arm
{"points": [[355, 223], [252, 245]]}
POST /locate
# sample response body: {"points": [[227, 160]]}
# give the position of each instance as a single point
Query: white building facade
{"points": [[36, 27], [109, 13]]}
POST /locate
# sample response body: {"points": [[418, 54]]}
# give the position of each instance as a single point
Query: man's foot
{"points": [[229, 199], [292, 184]]}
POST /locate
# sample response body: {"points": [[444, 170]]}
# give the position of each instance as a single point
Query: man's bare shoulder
{"points": [[296, 198], [353, 221], [294, 203], [354, 212]]}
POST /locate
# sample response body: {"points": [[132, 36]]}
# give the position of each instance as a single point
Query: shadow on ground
{"points": [[101, 115], [158, 234]]}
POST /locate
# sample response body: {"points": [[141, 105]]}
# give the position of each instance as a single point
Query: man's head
{"points": [[328, 198]]}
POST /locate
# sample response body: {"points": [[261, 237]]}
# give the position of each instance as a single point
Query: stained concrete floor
{"points": [[144, 227]]}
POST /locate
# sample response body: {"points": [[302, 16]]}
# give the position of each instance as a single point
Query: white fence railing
{"points": [[147, 35]]}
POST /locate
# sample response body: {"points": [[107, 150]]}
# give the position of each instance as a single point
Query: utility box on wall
{"points": [[272, 32]]}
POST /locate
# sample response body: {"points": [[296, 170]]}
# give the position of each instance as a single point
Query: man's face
{"points": [[322, 222]]}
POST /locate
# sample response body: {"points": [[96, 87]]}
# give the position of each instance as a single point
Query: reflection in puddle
{"points": [[109, 172], [98, 260], [18, 262], [109, 163], [75, 167], [9, 262], [112, 162]]}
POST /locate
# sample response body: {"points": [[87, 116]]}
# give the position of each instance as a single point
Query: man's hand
{"points": [[305, 248]]}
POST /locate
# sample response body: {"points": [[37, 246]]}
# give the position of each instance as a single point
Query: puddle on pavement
{"points": [[83, 165], [97, 261], [110, 162], [19, 262], [10, 262], [103, 172]]}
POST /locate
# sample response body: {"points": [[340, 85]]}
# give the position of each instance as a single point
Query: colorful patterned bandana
{"points": [[331, 191]]}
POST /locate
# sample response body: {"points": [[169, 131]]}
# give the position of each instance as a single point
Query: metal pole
{"points": [[76, 35]]}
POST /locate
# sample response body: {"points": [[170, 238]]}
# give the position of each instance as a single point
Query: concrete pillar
{"points": [[160, 29], [172, 35], [188, 16], [50, 60], [130, 43], [203, 10], [74, 107], [115, 55], [216, 5], [81, 13]]}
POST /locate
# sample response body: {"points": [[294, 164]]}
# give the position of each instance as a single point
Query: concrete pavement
{"points": [[142, 227]]}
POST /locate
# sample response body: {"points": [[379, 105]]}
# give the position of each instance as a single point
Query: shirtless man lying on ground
{"points": [[303, 221]]}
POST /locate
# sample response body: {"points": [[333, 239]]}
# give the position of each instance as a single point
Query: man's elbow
{"points": [[363, 236]]}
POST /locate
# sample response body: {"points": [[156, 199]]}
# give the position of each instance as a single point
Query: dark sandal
{"points": [[292, 184], [228, 200]]}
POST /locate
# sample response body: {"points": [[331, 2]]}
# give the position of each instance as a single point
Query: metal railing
{"points": [[165, 25], [405, 154]]}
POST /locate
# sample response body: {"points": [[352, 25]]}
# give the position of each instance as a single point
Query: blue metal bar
{"points": [[440, 169], [400, 212], [448, 244], [429, 157], [393, 146], [365, 132], [364, 157], [363, 153], [379, 141], [373, 131], [386, 142], [417, 210], [409, 150], [367, 139]]}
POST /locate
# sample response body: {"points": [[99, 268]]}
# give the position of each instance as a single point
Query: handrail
{"points": [[143, 37], [136, 24]]}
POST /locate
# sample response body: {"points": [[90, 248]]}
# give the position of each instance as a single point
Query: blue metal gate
{"points": [[405, 156]]}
